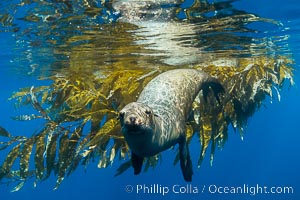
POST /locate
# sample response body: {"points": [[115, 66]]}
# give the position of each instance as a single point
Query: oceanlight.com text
{"points": [[244, 189], [251, 190]]}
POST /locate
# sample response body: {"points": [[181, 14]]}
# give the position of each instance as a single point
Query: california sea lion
{"points": [[157, 120]]}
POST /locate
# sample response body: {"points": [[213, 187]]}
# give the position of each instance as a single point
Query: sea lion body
{"points": [[157, 120]]}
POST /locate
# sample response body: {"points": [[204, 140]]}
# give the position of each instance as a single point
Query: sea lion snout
{"points": [[130, 118], [133, 120], [136, 117]]}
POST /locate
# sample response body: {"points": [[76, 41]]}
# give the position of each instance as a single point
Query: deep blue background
{"points": [[268, 155]]}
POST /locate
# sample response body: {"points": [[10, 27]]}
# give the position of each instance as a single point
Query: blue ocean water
{"points": [[266, 157]]}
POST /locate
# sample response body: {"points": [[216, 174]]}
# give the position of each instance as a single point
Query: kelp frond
{"points": [[246, 84], [80, 113], [67, 106]]}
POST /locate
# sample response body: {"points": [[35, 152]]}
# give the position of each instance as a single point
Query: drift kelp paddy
{"points": [[99, 55]]}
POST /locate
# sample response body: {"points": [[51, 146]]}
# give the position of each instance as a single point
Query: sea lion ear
{"points": [[149, 112], [121, 115]]}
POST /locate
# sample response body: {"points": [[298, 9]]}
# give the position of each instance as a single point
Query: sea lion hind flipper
{"points": [[185, 161], [137, 163], [215, 85]]}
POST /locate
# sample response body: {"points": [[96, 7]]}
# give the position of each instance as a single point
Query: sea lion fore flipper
{"points": [[137, 163], [185, 161]]}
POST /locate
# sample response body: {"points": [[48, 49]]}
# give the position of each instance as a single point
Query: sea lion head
{"points": [[137, 119]]}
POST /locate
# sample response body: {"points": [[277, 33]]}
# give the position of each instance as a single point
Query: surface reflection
{"points": [[51, 35]]}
